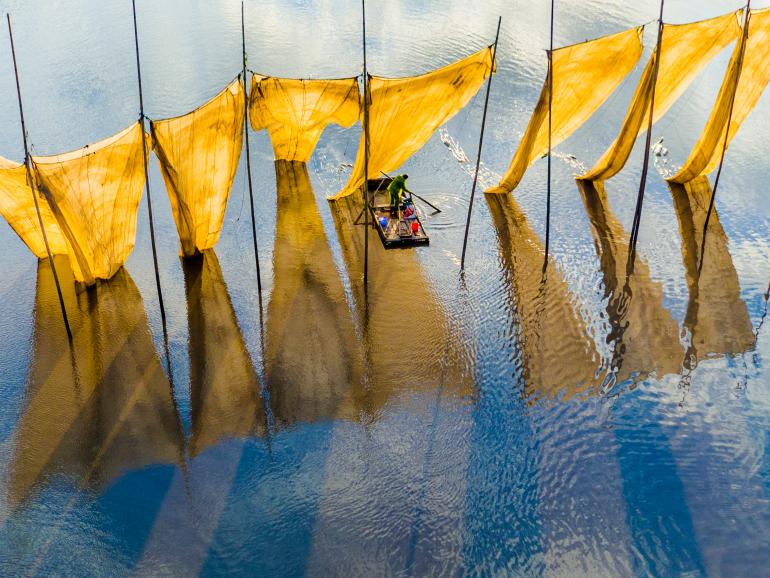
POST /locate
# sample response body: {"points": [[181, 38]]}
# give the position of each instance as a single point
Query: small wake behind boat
{"points": [[402, 228]]}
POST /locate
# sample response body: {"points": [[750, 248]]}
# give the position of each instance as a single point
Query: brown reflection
{"points": [[225, 392], [717, 318], [416, 425], [410, 345], [313, 361], [584, 529], [557, 354], [643, 335], [103, 407]]}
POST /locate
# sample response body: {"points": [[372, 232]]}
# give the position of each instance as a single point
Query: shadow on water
{"points": [[643, 336], [313, 360], [406, 331], [582, 525], [403, 509], [225, 392], [686, 491], [228, 415], [99, 436], [335, 417], [717, 320], [556, 355], [312, 365], [106, 409]]}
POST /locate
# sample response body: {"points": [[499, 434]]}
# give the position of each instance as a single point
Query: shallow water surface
{"points": [[575, 420]]}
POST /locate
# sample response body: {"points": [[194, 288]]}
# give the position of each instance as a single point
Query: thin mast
{"points": [[248, 154], [263, 393], [31, 182], [366, 150], [146, 171], [481, 142], [727, 133], [648, 141], [550, 107]]}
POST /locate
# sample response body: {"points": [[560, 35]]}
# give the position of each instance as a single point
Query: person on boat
{"points": [[397, 188]]}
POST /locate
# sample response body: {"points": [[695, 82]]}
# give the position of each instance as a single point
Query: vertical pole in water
{"points": [[481, 142], [727, 132], [248, 153], [366, 150], [263, 393], [648, 141], [31, 182], [146, 170], [550, 125]]}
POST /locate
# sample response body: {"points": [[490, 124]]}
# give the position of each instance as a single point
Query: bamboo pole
{"points": [[248, 154], [33, 188], [746, 21], [550, 130], [648, 141], [264, 395], [481, 142], [142, 118], [366, 149]]}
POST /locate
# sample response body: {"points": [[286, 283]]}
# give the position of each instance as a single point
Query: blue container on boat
{"points": [[383, 222]]}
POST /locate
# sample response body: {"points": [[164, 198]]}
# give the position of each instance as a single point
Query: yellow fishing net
{"points": [[198, 154], [295, 112], [745, 82], [404, 112], [18, 208], [94, 194], [584, 76], [685, 50]]}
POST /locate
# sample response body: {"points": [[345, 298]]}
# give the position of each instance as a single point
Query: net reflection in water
{"points": [[643, 335], [716, 319], [225, 390], [548, 328], [102, 409], [313, 357]]}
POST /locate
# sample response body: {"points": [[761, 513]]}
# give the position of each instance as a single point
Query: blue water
{"points": [[488, 424]]}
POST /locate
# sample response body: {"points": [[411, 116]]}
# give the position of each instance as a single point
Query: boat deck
{"points": [[394, 232]]}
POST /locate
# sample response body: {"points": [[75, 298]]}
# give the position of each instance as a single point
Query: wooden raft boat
{"points": [[394, 232]]}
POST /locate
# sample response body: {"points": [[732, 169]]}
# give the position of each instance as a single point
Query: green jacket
{"points": [[398, 186]]}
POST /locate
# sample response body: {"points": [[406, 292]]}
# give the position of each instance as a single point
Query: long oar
{"points": [[431, 205]]}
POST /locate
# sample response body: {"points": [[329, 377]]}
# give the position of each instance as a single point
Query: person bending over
{"points": [[397, 188]]}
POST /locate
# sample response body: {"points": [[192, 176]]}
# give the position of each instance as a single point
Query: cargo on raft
{"points": [[404, 229]]}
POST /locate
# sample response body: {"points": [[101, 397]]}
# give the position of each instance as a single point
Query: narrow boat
{"points": [[396, 230]]}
